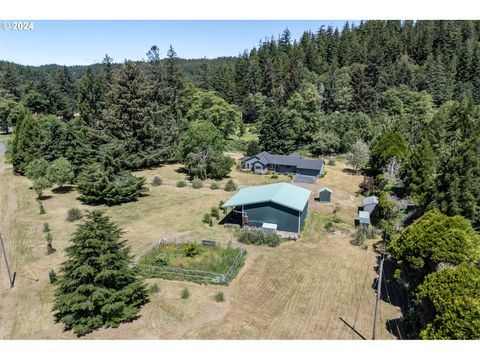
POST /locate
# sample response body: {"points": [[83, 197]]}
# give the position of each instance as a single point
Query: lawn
{"points": [[297, 290]]}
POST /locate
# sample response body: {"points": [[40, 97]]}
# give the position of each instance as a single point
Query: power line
{"points": [[10, 279], [379, 294]]}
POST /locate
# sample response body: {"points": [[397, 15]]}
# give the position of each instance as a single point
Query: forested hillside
{"points": [[399, 98]]}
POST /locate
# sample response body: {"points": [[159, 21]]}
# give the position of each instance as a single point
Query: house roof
{"points": [[287, 160], [370, 200], [364, 217], [325, 189], [288, 195]]}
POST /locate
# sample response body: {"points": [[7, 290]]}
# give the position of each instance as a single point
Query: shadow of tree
{"points": [[62, 189]]}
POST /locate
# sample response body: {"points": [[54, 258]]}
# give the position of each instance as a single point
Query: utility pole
{"points": [[10, 279], [379, 290]]}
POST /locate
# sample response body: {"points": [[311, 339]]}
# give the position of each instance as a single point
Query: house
{"points": [[364, 218], [370, 205], [279, 206], [293, 163], [324, 194]]}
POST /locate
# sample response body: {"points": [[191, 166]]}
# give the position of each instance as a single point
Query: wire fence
{"points": [[195, 275]]}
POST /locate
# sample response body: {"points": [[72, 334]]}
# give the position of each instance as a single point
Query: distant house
{"points": [[370, 205], [284, 164], [279, 206], [324, 194]]}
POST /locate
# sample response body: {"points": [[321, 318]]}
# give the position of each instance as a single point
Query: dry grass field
{"points": [[298, 290]]}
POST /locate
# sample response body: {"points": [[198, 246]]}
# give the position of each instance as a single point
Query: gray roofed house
{"points": [[293, 163]]}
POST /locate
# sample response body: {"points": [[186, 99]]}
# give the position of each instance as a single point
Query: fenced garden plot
{"points": [[191, 261]]}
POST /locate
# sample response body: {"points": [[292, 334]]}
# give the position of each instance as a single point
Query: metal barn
{"points": [[281, 204]]}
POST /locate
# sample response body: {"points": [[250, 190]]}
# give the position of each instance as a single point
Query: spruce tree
{"points": [[420, 172], [26, 143], [96, 286]]}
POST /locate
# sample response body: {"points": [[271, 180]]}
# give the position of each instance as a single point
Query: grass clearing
{"points": [[296, 290]]}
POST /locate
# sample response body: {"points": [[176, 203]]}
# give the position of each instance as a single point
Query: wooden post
{"points": [[379, 294], [10, 279]]}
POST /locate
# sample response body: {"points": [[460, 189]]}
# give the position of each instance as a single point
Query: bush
{"points": [[46, 227], [219, 297], [52, 275], [215, 213], [331, 161], [191, 250], [322, 175], [185, 293], [360, 236], [74, 214], [207, 219], [197, 184], [258, 237], [154, 288], [329, 226], [220, 204], [157, 181], [274, 176], [162, 260], [41, 208], [50, 249], [181, 184], [230, 185], [214, 186], [367, 184]]}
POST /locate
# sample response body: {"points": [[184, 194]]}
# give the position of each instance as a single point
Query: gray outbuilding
{"points": [[324, 195]]}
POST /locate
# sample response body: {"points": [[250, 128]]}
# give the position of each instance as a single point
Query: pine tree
{"points": [[276, 131], [9, 82], [91, 99], [26, 143], [420, 172], [96, 286]]}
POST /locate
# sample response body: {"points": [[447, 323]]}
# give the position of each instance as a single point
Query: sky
{"points": [[86, 42]]}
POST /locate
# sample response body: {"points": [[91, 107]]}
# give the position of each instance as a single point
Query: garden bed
{"points": [[192, 261]]}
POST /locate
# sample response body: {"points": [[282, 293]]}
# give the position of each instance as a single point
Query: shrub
{"points": [[230, 185], [52, 275], [322, 175], [162, 260], [220, 204], [46, 227], [367, 184], [181, 184], [360, 236], [329, 226], [185, 293], [214, 186], [219, 297], [74, 214], [335, 217], [41, 208], [197, 184], [154, 288], [157, 181], [274, 176], [331, 161], [258, 237], [191, 250], [207, 219], [50, 249], [215, 213]]}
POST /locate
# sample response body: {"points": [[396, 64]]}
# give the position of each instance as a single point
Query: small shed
{"points": [[324, 194], [364, 218]]}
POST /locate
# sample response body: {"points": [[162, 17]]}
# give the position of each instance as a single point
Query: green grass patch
{"points": [[194, 262]]}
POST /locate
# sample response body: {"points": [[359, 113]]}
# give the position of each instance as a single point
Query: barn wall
{"points": [[285, 218], [304, 215]]}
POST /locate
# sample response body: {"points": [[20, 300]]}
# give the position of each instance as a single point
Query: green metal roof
{"points": [[288, 195]]}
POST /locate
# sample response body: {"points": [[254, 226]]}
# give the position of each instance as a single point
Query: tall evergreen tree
{"points": [[96, 287]]}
